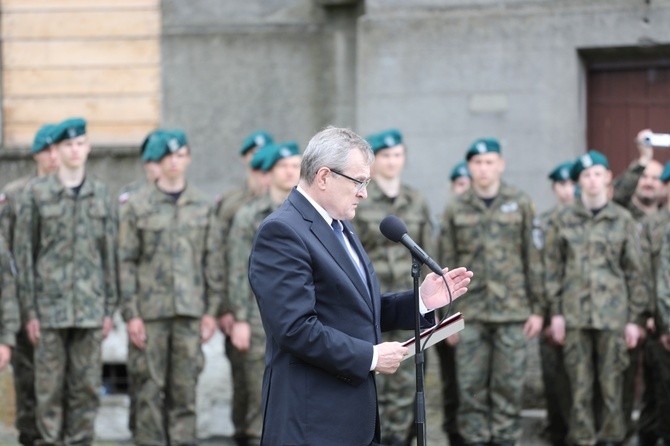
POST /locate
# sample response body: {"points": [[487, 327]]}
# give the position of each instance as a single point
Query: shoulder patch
{"points": [[124, 197]]}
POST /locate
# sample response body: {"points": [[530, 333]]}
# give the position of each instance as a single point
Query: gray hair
{"points": [[330, 148]]}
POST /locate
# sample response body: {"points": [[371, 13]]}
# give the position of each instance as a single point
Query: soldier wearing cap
{"points": [[46, 162], [65, 253], [595, 284], [281, 162], [460, 178], [489, 227], [170, 294], [149, 165], [228, 204], [9, 305], [654, 419], [387, 194], [554, 376]]}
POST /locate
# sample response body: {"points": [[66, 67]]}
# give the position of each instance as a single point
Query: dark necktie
{"points": [[338, 227]]}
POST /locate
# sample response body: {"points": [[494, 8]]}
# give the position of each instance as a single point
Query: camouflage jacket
{"points": [[496, 243], [245, 224], [594, 275], [9, 208], [225, 210], [651, 241], [165, 248], [392, 261], [9, 305], [65, 252], [663, 283]]}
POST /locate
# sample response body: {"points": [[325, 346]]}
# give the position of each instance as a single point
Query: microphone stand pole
{"points": [[419, 360]]}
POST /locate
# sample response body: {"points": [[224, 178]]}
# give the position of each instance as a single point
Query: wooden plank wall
{"points": [[99, 59]]}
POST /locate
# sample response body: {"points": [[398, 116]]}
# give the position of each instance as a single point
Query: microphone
{"points": [[395, 230]]}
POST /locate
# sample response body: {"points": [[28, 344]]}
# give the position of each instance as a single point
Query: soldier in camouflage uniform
{"points": [[65, 252], [247, 337], [489, 228], [226, 207], [46, 162], [151, 172], [554, 375], [596, 286], [460, 182], [170, 295], [655, 412], [9, 305], [393, 262], [662, 359]]}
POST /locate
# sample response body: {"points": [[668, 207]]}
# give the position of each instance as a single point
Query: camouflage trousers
{"points": [[556, 390], [247, 374], [447, 357], [68, 376], [23, 366], [595, 357], [490, 365], [165, 376], [396, 394], [629, 384], [654, 420]]}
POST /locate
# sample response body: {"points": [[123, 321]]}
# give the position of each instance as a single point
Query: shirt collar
{"points": [[316, 205]]}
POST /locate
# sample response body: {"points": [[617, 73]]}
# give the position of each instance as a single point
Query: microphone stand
{"points": [[419, 360]]}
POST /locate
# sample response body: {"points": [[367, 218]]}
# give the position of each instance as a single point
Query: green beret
{"points": [[160, 144], [180, 135], [256, 139], [276, 152], [665, 175], [589, 159], [561, 172], [43, 138], [384, 140], [459, 170], [69, 129], [259, 157], [482, 145]]}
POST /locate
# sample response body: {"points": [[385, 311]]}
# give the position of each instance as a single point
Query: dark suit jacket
{"points": [[321, 322]]}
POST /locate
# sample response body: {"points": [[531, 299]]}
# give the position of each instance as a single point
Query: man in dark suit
{"points": [[321, 306]]}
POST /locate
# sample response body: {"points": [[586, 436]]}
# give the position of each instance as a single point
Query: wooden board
{"points": [[35, 82], [55, 5], [101, 108], [78, 24]]}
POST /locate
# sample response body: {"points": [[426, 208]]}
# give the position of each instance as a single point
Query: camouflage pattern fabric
{"points": [[248, 367], [393, 263]]}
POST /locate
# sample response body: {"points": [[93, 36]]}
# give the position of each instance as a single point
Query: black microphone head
{"points": [[393, 228]]}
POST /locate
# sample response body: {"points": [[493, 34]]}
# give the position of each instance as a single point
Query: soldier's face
{"points": [[649, 187], [594, 181], [285, 173], [389, 162], [564, 191], [460, 185], [47, 160], [73, 152], [173, 166], [486, 169]]}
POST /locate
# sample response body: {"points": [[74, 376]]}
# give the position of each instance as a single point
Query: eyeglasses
{"points": [[360, 185]]}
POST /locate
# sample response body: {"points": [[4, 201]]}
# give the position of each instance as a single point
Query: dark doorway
{"points": [[627, 90]]}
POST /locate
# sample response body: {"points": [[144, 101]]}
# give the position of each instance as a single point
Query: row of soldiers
{"points": [[182, 263]]}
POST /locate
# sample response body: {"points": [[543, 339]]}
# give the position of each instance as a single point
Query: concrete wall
{"points": [[446, 72]]}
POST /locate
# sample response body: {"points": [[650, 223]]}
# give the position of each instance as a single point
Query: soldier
{"points": [[460, 182], [65, 253], [661, 369], [625, 185], [554, 376], [387, 194], [655, 412], [596, 286], [9, 305], [229, 203], [46, 162], [247, 337], [167, 235], [489, 228]]}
